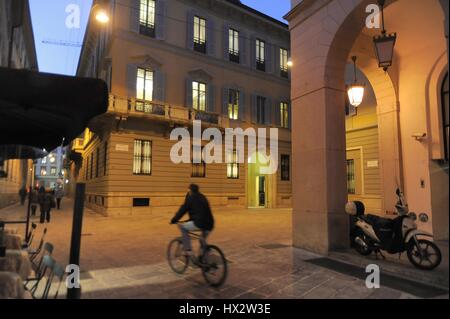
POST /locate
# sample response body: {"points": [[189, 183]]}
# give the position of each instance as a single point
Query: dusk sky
{"points": [[51, 32]]}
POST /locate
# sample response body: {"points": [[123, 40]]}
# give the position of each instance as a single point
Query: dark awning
{"points": [[39, 109], [20, 152]]}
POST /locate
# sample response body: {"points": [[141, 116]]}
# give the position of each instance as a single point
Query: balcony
{"points": [[131, 107]]}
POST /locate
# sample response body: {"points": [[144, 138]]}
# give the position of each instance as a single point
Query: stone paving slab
{"points": [[125, 257]]}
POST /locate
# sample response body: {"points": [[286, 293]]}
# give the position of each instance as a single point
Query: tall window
{"points": [[351, 188], [44, 160], [232, 165], [199, 34], [97, 160], [285, 168], [43, 171], [147, 18], [233, 45], [87, 169], [198, 169], [53, 171], [260, 55], [233, 104], [144, 90], [260, 110], [284, 115], [283, 63], [105, 157], [445, 117], [142, 158], [199, 96]]}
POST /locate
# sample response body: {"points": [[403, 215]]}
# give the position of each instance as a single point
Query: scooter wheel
{"points": [[429, 259], [365, 251]]}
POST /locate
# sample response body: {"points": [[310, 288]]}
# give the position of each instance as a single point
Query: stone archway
{"points": [[323, 34]]}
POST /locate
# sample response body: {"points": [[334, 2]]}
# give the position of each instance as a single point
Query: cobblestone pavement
{"points": [[125, 257]]}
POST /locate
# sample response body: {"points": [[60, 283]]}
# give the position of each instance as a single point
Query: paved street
{"points": [[124, 257]]}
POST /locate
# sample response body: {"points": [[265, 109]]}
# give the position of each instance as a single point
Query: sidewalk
{"points": [[125, 257]]}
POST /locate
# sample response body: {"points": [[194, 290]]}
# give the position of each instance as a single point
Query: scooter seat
{"points": [[379, 222]]}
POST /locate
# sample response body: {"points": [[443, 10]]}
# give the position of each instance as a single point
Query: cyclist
{"points": [[200, 217]]}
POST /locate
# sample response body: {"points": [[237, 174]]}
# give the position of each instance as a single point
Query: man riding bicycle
{"points": [[200, 217]]}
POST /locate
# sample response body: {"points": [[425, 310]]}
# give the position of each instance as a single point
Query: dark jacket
{"points": [[199, 211]]}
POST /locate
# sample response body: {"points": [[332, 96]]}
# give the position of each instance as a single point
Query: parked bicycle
{"points": [[210, 259]]}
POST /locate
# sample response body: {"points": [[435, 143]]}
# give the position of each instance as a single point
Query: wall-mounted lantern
{"points": [[355, 90], [384, 43]]}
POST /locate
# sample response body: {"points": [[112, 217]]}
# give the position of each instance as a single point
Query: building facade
{"points": [[411, 122], [17, 50], [50, 170], [168, 64]]}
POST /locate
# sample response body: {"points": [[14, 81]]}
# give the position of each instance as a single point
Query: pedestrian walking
{"points": [[34, 201], [22, 195], [46, 203], [59, 194]]}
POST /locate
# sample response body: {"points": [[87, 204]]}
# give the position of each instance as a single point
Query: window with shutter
{"points": [[260, 55], [144, 90], [147, 17], [199, 34], [233, 104], [233, 45]]}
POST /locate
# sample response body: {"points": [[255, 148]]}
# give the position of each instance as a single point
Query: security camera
{"points": [[419, 136]]}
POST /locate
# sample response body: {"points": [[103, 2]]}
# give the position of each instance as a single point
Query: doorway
{"points": [[261, 191]]}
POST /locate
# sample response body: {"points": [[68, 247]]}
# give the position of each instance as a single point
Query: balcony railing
{"points": [[159, 111]]}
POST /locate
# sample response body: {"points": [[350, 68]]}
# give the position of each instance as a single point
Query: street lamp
{"points": [[289, 63], [384, 43], [355, 91], [100, 14]]}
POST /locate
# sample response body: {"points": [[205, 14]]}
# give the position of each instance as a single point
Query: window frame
{"points": [[199, 34], [261, 109], [141, 158], [284, 58], [351, 177], [143, 104], [198, 170], [284, 115], [146, 26], [196, 98], [233, 45], [105, 157], [260, 57], [233, 166], [233, 104], [285, 163]]}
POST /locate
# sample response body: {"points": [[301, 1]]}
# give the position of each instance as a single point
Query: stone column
{"points": [[319, 171]]}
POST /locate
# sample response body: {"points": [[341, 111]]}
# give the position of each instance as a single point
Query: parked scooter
{"points": [[374, 234]]}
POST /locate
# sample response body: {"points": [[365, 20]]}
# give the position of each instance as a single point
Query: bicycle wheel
{"points": [[175, 256], [214, 266]]}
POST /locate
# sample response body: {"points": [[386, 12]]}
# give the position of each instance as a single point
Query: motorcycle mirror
{"points": [[413, 216]]}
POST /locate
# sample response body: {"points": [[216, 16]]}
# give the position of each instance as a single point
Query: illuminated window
{"points": [[233, 104], [142, 160], [52, 159], [284, 115], [260, 110], [445, 117], [351, 188], [199, 96], [199, 34], [198, 169], [285, 168], [144, 90], [44, 160], [43, 171], [260, 55], [53, 171], [232, 165], [284, 62], [147, 18], [233, 45]]}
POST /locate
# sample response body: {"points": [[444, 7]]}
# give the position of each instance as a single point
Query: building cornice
{"points": [[304, 10]]}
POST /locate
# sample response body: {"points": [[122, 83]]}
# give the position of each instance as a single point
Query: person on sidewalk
{"points": [[22, 195], [34, 201], [200, 217], [46, 203], [59, 194]]}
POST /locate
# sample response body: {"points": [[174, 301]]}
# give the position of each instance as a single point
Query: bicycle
{"points": [[210, 259]]}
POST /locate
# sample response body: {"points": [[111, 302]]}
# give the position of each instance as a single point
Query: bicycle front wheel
{"points": [[215, 267], [178, 261]]}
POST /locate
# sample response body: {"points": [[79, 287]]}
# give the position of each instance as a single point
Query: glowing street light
{"points": [[355, 91], [101, 16], [290, 64]]}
